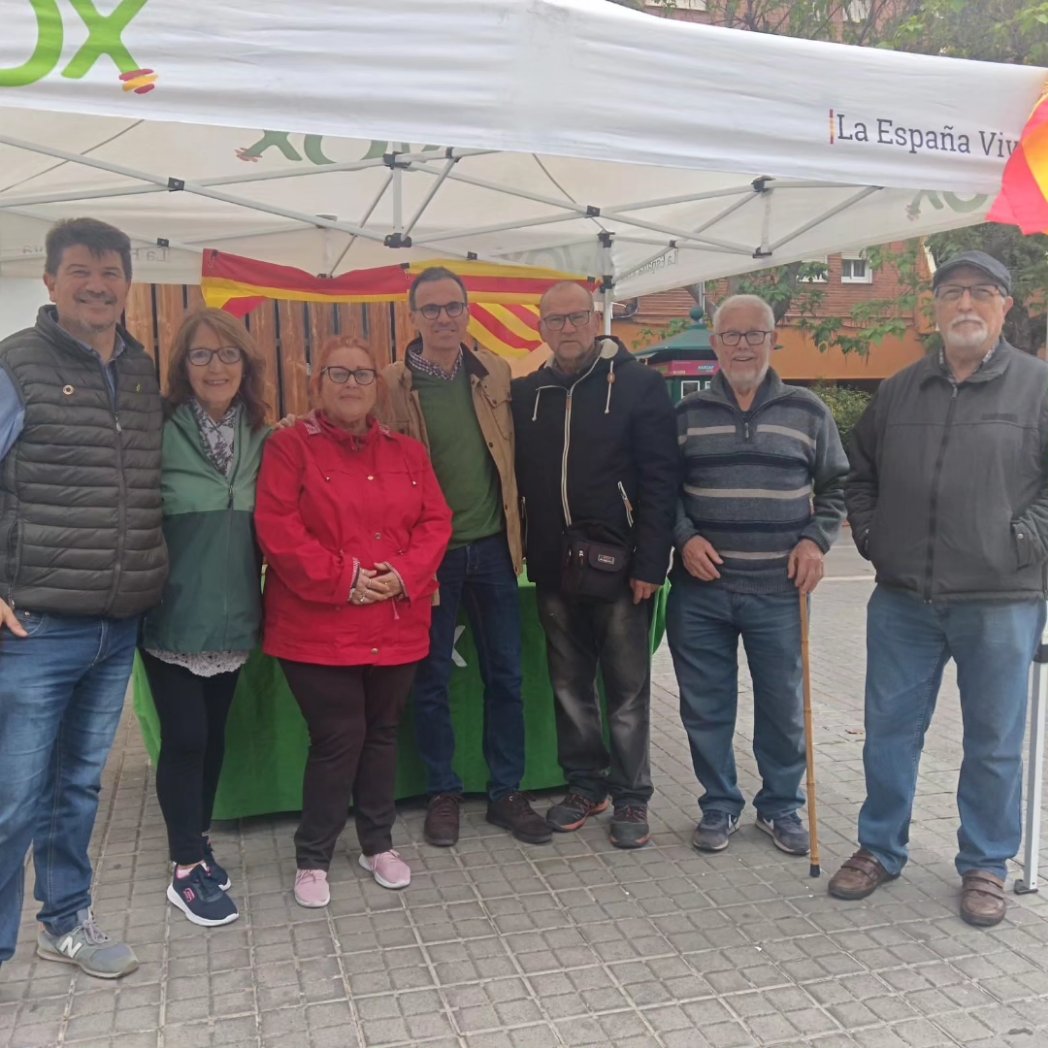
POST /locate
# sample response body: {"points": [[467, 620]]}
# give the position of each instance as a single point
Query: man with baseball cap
{"points": [[948, 497]]}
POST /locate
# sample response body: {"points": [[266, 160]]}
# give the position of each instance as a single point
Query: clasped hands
{"points": [[375, 585], [805, 566]]}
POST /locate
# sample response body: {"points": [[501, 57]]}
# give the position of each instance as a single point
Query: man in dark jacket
{"points": [[761, 501], [948, 496], [81, 557], [597, 472]]}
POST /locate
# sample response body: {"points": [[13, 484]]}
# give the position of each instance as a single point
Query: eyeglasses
{"points": [[555, 321], [201, 357], [733, 338], [453, 309], [340, 376], [955, 292]]}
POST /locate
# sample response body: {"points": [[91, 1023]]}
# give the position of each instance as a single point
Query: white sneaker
{"points": [[388, 869]]}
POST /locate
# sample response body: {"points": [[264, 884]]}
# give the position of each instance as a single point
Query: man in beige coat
{"points": [[456, 401]]}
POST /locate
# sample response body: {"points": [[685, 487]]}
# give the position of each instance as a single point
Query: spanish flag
{"points": [[503, 309], [1023, 200]]}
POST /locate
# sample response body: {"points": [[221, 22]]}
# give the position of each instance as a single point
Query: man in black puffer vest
{"points": [[81, 557]]}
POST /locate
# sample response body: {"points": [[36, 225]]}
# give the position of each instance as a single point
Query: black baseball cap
{"points": [[996, 271]]}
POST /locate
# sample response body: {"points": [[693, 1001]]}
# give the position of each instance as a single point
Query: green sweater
{"points": [[461, 461], [212, 600]]}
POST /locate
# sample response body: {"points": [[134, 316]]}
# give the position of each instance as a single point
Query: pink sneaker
{"points": [[388, 869], [311, 888]]}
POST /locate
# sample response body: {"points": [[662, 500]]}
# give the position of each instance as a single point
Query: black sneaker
{"points": [[514, 813], [713, 832], [629, 826], [200, 899], [573, 811], [787, 831], [215, 872]]}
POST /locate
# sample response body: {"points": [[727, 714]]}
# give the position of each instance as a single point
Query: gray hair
{"points": [[745, 302]]}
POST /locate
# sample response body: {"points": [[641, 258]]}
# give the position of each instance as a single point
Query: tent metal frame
{"points": [[444, 167]]}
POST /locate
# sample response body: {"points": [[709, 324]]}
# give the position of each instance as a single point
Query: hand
{"points": [[360, 593], [287, 421], [387, 582], [701, 559], [805, 565], [10, 620], [642, 590]]}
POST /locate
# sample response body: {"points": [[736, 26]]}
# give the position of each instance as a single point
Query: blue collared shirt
{"points": [[12, 410]]}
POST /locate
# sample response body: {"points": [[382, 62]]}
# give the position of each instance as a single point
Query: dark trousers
{"points": [[192, 712], [582, 636], [352, 713], [479, 576]]}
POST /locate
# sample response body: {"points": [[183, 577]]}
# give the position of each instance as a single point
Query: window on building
{"points": [[856, 271]]}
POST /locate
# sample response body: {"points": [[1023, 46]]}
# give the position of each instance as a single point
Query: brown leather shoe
{"points": [[859, 876], [982, 898], [514, 813], [441, 828]]}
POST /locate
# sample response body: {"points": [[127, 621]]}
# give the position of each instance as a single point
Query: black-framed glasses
{"points": [[733, 338], [955, 292], [556, 321], [453, 310], [340, 376], [201, 357]]}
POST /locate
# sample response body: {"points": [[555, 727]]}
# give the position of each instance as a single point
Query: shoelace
{"points": [[630, 814], [307, 876], [92, 933]]}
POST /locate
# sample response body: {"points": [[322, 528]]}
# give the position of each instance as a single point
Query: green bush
{"points": [[845, 404]]}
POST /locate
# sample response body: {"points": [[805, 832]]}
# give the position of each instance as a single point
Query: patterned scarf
{"points": [[218, 436]]}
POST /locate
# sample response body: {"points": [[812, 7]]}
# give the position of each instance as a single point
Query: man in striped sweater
{"points": [[761, 502]]}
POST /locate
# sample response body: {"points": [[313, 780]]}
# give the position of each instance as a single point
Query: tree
{"points": [[1011, 31]]}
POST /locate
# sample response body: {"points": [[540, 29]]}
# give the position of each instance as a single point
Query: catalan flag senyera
{"points": [[1023, 200], [503, 299]]}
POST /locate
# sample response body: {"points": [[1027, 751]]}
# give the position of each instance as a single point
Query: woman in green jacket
{"points": [[208, 620]]}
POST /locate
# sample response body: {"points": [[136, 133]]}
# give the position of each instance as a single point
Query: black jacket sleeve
{"points": [[1030, 527], [654, 439], [860, 486]]}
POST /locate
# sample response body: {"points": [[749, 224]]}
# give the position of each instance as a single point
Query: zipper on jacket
{"points": [[933, 510], [121, 497], [564, 459], [626, 502]]}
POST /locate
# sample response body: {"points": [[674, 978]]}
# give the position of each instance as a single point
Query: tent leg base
{"points": [[1022, 888]]}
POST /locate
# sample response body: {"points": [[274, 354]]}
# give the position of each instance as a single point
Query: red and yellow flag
{"points": [[503, 299], [1023, 200]]}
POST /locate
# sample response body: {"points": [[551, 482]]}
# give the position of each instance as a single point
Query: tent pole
{"points": [[1035, 768], [607, 283]]}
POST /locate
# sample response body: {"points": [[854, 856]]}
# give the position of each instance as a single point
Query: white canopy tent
{"points": [[574, 134]]}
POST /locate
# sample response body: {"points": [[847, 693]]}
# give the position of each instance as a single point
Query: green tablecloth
{"points": [[266, 738]]}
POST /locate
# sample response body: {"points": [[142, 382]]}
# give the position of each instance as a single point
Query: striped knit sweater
{"points": [[757, 482]]}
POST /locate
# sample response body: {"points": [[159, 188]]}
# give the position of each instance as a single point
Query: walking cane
{"points": [[809, 743]]}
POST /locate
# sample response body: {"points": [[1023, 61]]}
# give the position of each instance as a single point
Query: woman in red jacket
{"points": [[353, 526]]}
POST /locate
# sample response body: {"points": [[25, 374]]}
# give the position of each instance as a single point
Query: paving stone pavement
{"points": [[497, 944]]}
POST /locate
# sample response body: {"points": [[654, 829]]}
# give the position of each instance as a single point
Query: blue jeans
{"points": [[480, 576], [61, 695], [703, 624], [907, 645]]}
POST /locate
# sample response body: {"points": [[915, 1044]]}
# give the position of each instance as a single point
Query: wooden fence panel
{"points": [[289, 334], [262, 323], [294, 358]]}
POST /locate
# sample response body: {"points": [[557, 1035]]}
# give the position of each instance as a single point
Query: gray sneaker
{"points": [[88, 947], [713, 832], [787, 831]]}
